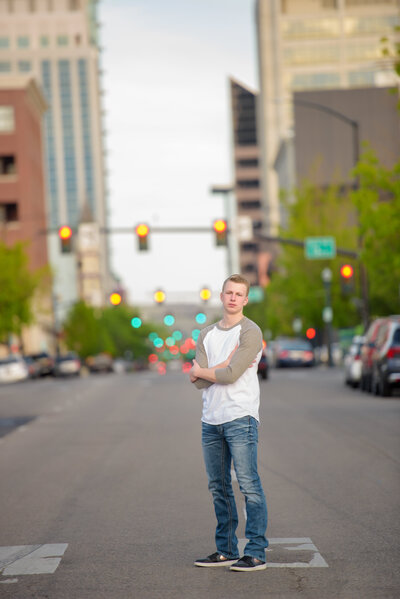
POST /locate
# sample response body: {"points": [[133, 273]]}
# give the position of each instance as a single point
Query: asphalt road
{"points": [[103, 492]]}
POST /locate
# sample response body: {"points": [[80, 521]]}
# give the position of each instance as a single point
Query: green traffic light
{"points": [[136, 322]]}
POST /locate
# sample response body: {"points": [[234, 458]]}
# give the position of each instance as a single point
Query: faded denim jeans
{"points": [[235, 441]]}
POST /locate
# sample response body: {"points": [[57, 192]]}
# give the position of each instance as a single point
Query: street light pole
{"points": [[327, 313]]}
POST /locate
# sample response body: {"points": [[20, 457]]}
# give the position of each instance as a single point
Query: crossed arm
{"points": [[208, 374]]}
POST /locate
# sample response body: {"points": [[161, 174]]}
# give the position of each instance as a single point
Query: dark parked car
{"points": [[386, 358], [67, 365], [263, 367], [293, 352], [44, 363]]}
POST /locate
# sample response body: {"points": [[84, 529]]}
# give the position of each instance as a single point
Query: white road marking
{"points": [[296, 544], [31, 559]]}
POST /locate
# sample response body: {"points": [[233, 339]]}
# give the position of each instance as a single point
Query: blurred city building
{"points": [[22, 191], [253, 262], [326, 148], [306, 45], [57, 43]]}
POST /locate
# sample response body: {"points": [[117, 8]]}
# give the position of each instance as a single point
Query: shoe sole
{"points": [[228, 562], [252, 569]]}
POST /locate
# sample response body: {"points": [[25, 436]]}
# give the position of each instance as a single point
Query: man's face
{"points": [[233, 297]]}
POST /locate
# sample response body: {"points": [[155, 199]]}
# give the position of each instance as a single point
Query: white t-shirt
{"points": [[237, 390]]}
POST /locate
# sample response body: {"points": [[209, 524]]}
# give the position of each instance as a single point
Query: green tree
{"points": [[296, 289], [377, 200], [17, 288]]}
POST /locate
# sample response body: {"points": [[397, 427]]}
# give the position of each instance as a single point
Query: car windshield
{"points": [[9, 360]]}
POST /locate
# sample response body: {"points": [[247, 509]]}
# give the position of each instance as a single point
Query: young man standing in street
{"points": [[225, 368]]}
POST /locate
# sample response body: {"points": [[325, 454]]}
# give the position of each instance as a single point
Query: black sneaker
{"points": [[215, 560], [248, 564]]}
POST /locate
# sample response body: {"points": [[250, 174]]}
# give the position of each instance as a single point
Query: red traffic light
{"points": [[65, 233], [346, 271], [310, 333], [142, 232], [220, 226]]}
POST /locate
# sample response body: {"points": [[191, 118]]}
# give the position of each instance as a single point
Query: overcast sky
{"points": [[166, 68]]}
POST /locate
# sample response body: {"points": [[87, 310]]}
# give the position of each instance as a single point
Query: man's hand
{"points": [[192, 377]]}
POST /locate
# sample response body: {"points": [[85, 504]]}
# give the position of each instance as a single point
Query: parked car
{"points": [[367, 351], [352, 362], [293, 352], [100, 363], [263, 367], [67, 365], [33, 367], [45, 363], [13, 369], [386, 358]]}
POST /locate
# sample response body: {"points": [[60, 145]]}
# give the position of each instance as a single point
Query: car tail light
{"points": [[393, 351], [308, 355], [284, 353]]}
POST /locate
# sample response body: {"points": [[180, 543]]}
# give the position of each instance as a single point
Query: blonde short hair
{"points": [[238, 279]]}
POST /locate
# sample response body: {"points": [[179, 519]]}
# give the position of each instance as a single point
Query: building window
{"points": [[7, 165], [315, 80], [311, 54], [73, 5], [51, 159], [361, 78], [5, 67], [251, 205], [9, 212], [370, 25], [310, 28], [248, 184], [4, 42], [44, 41], [24, 66], [62, 40], [7, 119], [23, 41], [249, 162], [249, 247], [86, 132], [250, 268]]}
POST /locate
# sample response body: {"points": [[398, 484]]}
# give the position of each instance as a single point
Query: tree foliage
{"points": [[17, 288], [90, 331], [366, 220]]}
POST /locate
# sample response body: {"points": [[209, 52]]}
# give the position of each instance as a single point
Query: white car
{"points": [[13, 369], [352, 362]]}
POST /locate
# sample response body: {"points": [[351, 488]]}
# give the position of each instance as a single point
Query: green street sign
{"points": [[256, 295], [319, 248]]}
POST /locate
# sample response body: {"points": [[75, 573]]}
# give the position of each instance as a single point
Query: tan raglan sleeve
{"points": [[202, 360], [250, 344]]}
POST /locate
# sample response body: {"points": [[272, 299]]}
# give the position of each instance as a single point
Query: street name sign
{"points": [[319, 248]]}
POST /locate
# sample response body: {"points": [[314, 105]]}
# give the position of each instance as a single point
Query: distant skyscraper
{"points": [[310, 45], [56, 41]]}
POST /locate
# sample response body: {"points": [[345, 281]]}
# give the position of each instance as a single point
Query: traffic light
{"points": [[115, 298], [142, 232], [221, 229], [65, 235], [346, 273], [310, 333], [205, 294], [159, 296]]}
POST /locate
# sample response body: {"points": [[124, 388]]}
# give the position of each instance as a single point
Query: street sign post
{"points": [[319, 248]]}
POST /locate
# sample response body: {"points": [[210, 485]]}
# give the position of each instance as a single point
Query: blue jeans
{"points": [[236, 440]]}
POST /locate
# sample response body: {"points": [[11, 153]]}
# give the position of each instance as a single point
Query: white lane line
{"points": [[31, 559], [296, 544]]}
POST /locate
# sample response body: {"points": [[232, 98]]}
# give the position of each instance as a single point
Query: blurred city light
{"points": [[159, 296], [220, 227], [205, 294], [115, 298], [195, 334], [201, 318], [142, 232], [177, 335], [136, 322], [169, 320], [310, 333]]}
